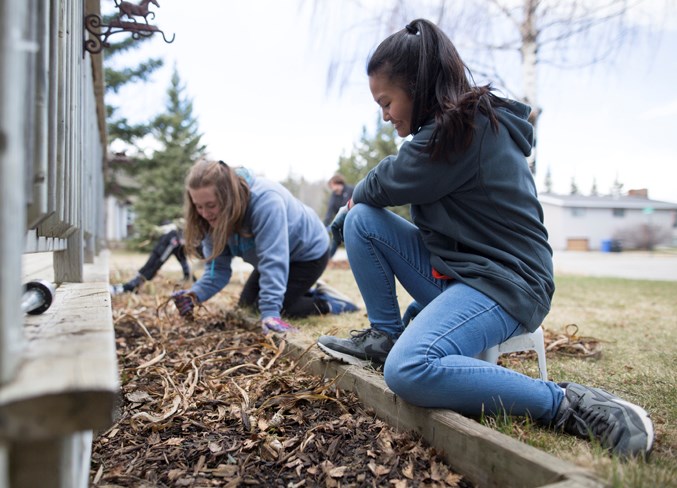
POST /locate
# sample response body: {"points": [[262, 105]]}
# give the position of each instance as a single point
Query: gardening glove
{"points": [[276, 324], [337, 228], [411, 312], [185, 301]]}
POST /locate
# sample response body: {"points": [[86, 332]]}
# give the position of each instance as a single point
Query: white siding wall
{"points": [[596, 224], [117, 216]]}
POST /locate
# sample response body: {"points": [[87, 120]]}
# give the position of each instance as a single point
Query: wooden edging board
{"points": [[484, 456]]}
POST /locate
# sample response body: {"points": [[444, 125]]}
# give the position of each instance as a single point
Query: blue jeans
{"points": [[433, 361]]}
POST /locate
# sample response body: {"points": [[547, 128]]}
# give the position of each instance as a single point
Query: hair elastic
{"points": [[411, 29]]}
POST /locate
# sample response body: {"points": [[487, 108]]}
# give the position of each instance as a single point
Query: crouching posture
{"points": [[169, 244], [233, 213], [476, 258]]}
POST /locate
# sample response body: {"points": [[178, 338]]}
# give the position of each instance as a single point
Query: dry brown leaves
{"points": [[569, 343], [209, 403]]}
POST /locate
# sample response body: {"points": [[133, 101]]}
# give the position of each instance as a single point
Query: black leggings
{"points": [[167, 245], [297, 301]]}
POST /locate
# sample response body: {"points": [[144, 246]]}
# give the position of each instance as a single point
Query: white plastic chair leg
{"points": [[525, 342]]}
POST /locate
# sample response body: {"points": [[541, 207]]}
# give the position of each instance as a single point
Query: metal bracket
{"points": [[98, 40]]}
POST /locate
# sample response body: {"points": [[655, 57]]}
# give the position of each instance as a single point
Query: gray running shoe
{"points": [[365, 347], [336, 301], [620, 426]]}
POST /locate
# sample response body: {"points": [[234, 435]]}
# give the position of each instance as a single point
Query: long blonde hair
{"points": [[232, 193]]}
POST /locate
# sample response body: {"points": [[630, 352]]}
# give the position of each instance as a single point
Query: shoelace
{"points": [[592, 421], [360, 335]]}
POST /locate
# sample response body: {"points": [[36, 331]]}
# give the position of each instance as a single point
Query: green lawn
{"points": [[636, 324]]}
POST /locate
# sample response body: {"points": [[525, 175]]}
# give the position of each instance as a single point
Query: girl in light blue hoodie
{"points": [[230, 212]]}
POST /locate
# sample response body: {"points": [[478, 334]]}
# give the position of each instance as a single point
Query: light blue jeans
{"points": [[433, 361]]}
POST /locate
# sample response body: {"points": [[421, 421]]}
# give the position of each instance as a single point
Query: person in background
{"points": [[476, 258], [340, 194], [231, 213], [169, 244]]}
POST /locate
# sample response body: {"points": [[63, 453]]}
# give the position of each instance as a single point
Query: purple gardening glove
{"points": [[185, 301], [276, 324]]}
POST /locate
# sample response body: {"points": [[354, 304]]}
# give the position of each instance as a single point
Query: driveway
{"points": [[633, 265]]}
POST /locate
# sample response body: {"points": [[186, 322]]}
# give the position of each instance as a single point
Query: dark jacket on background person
{"points": [[336, 201]]}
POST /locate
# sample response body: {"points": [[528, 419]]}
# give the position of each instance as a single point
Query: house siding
{"points": [[593, 219]]}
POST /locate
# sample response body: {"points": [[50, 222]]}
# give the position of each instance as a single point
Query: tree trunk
{"points": [[529, 52]]}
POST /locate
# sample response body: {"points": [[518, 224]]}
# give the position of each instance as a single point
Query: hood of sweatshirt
{"points": [[515, 119]]}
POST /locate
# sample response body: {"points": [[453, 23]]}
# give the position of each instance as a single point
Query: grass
{"points": [[636, 321]]}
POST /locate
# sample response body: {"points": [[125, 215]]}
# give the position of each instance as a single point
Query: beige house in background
{"points": [[601, 223]]}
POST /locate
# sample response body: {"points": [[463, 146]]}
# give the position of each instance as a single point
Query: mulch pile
{"points": [[214, 403], [210, 403]]}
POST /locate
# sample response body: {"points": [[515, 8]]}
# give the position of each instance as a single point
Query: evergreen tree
{"points": [[368, 153], [593, 191], [574, 187], [617, 187], [548, 181], [120, 130], [162, 176]]}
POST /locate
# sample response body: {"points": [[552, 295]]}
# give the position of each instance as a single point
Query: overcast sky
{"points": [[256, 73]]}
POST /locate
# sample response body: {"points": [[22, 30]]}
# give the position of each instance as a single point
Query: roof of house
{"points": [[623, 201]]}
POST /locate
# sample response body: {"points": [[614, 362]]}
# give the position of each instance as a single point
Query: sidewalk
{"points": [[636, 265]]}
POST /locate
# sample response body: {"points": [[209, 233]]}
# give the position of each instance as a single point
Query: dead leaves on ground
{"points": [[571, 344], [208, 403]]}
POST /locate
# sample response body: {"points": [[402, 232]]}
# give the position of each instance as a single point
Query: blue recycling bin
{"points": [[607, 245]]}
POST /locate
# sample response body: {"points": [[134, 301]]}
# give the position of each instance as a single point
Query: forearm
{"points": [[216, 276]]}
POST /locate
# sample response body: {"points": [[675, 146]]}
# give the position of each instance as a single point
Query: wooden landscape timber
{"points": [[486, 457]]}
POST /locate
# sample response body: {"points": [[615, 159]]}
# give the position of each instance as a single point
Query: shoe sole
{"points": [[346, 358]]}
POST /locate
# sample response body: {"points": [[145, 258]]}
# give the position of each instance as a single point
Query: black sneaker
{"points": [[132, 286], [620, 426], [362, 349]]}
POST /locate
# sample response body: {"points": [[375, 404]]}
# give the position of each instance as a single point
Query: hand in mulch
{"points": [[571, 344]]}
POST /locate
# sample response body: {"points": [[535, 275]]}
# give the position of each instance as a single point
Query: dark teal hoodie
{"points": [[477, 211]]}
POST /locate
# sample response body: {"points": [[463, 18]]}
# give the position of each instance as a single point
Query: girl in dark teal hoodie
{"points": [[476, 258]]}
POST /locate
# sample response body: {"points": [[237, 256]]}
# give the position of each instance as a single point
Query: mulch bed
{"points": [[213, 403]]}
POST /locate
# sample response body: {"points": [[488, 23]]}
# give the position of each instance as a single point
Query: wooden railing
{"points": [[58, 372]]}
